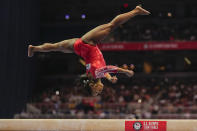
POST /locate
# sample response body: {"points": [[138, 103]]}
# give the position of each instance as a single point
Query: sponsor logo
{"points": [[145, 126], [111, 46], [88, 66], [137, 126]]}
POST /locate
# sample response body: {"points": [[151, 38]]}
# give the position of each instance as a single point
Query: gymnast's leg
{"points": [[99, 33], [65, 46]]}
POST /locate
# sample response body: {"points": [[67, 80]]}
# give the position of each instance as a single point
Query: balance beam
{"points": [[95, 125]]}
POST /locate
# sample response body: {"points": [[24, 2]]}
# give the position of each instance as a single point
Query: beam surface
{"points": [[86, 125]]}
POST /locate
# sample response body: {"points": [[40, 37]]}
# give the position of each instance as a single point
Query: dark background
{"points": [[20, 25]]}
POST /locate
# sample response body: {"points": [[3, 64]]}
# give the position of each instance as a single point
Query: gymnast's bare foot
{"points": [[30, 51], [141, 11]]}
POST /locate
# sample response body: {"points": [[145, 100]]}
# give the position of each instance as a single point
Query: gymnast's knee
{"points": [[111, 26]]}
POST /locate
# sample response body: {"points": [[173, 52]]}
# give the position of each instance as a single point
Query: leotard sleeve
{"points": [[100, 73]]}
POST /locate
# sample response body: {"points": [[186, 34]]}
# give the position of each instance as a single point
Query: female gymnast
{"points": [[86, 47]]}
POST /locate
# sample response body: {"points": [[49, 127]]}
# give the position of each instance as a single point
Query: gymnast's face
{"points": [[97, 88]]}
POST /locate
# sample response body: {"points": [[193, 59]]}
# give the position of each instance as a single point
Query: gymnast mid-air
{"points": [[87, 48]]}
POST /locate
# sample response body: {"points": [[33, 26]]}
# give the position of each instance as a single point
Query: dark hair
{"points": [[86, 85], [85, 82]]}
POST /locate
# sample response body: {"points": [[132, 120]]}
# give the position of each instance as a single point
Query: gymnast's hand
{"points": [[114, 79]]}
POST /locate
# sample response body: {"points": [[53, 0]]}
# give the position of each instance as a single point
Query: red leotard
{"points": [[95, 63]]}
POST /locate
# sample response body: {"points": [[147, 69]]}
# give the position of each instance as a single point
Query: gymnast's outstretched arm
{"points": [[114, 69]]}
